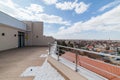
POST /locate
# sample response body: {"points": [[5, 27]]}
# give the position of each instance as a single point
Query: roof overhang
{"points": [[12, 22]]}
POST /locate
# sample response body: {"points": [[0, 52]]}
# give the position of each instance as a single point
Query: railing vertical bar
{"points": [[49, 48], [76, 66], [58, 53]]}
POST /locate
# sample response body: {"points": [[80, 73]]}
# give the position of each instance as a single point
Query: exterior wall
{"points": [[8, 41], [38, 38], [38, 28], [29, 33], [46, 40], [35, 34], [11, 22]]}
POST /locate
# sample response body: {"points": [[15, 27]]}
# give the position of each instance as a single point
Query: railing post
{"points": [[76, 66], [58, 52], [49, 48]]}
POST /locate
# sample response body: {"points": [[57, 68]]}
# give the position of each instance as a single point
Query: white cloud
{"points": [[33, 12], [109, 21], [112, 4], [51, 19], [35, 8], [78, 7], [62, 28], [81, 7], [49, 2], [65, 6]]}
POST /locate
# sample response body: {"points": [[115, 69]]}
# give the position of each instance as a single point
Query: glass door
{"points": [[21, 39]]}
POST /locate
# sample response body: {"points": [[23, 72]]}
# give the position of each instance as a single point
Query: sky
{"points": [[69, 19]]}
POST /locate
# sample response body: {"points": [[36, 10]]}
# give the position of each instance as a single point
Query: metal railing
{"points": [[59, 47]]}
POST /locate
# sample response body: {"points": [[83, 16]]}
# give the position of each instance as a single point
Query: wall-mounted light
{"points": [[37, 36], [3, 34], [15, 35]]}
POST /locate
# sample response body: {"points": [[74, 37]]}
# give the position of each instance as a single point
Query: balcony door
{"points": [[21, 39]]}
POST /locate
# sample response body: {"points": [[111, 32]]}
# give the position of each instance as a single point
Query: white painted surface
{"points": [[12, 22], [43, 55], [45, 72], [8, 41]]}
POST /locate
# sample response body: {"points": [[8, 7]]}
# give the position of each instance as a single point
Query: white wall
{"points": [[10, 26], [29, 33], [11, 22], [8, 41], [38, 31], [38, 28], [46, 40], [35, 34]]}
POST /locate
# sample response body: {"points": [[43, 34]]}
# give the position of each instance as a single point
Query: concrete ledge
{"points": [[65, 71]]}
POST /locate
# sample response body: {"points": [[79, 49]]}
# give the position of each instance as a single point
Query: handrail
{"points": [[115, 75], [91, 52]]}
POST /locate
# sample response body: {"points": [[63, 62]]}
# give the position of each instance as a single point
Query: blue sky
{"points": [[70, 19]]}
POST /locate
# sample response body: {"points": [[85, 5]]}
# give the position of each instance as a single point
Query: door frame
{"points": [[21, 39]]}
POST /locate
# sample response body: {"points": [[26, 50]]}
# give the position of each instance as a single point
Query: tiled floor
{"points": [[14, 62]]}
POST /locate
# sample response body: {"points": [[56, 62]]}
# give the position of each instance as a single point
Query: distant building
{"points": [[15, 33]]}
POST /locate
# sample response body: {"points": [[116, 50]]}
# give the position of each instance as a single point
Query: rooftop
{"points": [[14, 62]]}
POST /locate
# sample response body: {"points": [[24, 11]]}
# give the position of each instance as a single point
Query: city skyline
{"points": [[69, 19]]}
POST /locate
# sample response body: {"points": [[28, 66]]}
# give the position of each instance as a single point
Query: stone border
{"points": [[65, 71]]}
